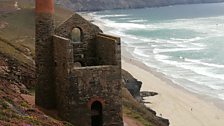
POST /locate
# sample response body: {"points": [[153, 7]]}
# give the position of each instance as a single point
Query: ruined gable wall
{"points": [[86, 48], [89, 30]]}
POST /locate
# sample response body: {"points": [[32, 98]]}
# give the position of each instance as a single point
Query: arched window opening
{"points": [[76, 35], [96, 114]]}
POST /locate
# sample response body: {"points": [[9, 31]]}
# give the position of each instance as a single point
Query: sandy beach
{"points": [[180, 106]]}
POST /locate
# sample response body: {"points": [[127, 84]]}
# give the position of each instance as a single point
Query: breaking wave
{"points": [[189, 51]]}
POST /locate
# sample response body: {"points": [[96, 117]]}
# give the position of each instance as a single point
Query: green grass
{"points": [[32, 91], [135, 110], [3, 104], [13, 52], [136, 115], [17, 39], [20, 29]]}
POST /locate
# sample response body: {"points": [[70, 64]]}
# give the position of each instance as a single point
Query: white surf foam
{"points": [[138, 21], [204, 63], [181, 40], [196, 69], [140, 52], [221, 96], [115, 15], [157, 50]]}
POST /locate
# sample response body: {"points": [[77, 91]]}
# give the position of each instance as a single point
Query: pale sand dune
{"points": [[179, 106]]}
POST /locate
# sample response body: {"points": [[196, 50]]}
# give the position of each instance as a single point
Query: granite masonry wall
{"points": [[63, 58], [115, 49], [90, 84], [45, 89], [85, 50], [105, 50], [78, 87]]}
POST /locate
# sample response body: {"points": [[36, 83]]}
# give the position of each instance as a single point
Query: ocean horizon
{"points": [[183, 42]]}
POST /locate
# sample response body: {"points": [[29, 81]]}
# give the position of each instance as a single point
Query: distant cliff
{"points": [[94, 5]]}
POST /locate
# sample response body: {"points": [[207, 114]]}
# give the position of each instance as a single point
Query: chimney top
{"points": [[45, 6]]}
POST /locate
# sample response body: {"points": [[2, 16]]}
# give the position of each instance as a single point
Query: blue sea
{"points": [[184, 42]]}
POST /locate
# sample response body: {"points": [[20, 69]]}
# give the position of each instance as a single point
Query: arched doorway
{"points": [[96, 114]]}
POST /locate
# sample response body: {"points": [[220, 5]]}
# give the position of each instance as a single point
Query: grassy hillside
{"points": [[17, 39], [17, 29]]}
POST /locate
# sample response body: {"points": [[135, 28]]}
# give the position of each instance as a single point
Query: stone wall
{"points": [[84, 51], [63, 58], [89, 84], [117, 47], [106, 50], [98, 79], [45, 89], [78, 87]]}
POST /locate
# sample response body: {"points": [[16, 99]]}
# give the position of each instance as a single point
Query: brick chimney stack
{"points": [[45, 6], [45, 87]]}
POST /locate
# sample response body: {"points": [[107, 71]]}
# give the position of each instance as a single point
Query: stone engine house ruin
{"points": [[78, 69]]}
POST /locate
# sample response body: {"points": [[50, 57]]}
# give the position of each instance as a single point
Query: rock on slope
{"points": [[94, 5], [14, 110]]}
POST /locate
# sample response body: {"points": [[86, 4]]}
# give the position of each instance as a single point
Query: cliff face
{"points": [[94, 5]]}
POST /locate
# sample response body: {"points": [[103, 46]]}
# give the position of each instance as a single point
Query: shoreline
{"points": [[174, 102], [126, 57]]}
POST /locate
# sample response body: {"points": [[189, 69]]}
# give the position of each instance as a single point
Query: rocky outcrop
{"points": [[132, 84], [95, 5], [13, 71], [134, 87]]}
